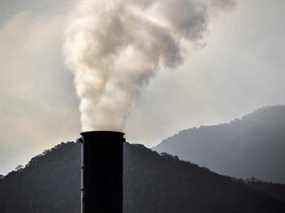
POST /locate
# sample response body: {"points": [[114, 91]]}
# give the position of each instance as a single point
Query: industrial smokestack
{"points": [[114, 49], [102, 171]]}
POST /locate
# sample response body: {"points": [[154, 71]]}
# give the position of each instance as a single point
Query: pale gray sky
{"points": [[240, 69]]}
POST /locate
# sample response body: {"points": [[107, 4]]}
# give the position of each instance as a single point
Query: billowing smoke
{"points": [[115, 47]]}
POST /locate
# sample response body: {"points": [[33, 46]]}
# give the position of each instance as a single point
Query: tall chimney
{"points": [[102, 172]]}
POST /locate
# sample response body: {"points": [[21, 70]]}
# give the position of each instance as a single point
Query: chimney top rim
{"points": [[86, 133]]}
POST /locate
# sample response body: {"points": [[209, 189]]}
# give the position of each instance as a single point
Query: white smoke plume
{"points": [[115, 47]]}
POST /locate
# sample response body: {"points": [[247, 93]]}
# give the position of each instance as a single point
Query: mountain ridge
{"points": [[247, 147], [152, 183]]}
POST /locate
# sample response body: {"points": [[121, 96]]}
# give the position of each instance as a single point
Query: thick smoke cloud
{"points": [[115, 47], [223, 4]]}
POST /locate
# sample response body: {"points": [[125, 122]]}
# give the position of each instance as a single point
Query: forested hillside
{"points": [[152, 183]]}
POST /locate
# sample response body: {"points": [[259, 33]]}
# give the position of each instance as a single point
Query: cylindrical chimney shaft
{"points": [[102, 172]]}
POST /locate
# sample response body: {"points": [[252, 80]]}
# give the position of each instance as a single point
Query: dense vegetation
{"points": [[251, 146], [153, 183]]}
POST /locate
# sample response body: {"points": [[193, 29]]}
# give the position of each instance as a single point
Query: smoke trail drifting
{"points": [[115, 47]]}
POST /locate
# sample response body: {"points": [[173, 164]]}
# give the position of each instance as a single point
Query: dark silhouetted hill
{"points": [[153, 183], [253, 146], [275, 190]]}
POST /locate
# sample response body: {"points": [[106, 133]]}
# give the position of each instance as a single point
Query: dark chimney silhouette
{"points": [[102, 172]]}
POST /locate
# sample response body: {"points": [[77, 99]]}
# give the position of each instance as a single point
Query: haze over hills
{"points": [[152, 183], [251, 146]]}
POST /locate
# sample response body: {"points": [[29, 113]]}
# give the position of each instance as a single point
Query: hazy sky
{"points": [[240, 69]]}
